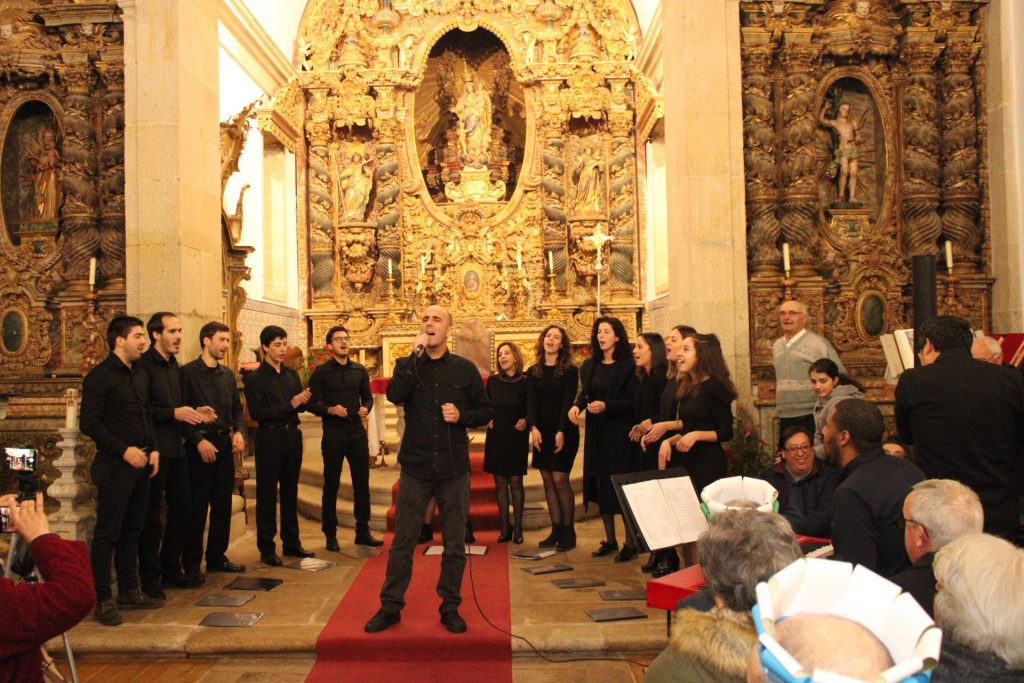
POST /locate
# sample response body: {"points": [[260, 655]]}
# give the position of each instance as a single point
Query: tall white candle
{"points": [[785, 256], [551, 263], [71, 416], [92, 272], [389, 269], [949, 256], [423, 265]]}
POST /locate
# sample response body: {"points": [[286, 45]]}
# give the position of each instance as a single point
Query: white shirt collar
{"points": [[795, 337]]}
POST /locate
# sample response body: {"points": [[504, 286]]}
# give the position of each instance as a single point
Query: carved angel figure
{"points": [[474, 112], [46, 173]]}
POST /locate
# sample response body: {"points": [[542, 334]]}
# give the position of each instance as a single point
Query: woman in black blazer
{"points": [[607, 398]]}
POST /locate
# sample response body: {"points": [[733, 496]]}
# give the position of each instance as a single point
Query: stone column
{"points": [[921, 145], [172, 161], [1005, 90], [704, 165]]}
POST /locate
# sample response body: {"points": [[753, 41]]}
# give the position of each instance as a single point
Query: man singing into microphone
{"points": [[443, 395]]}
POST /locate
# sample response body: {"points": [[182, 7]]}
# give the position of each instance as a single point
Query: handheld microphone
{"points": [[418, 350]]}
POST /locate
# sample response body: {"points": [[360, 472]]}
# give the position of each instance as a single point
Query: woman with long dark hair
{"points": [[550, 391], [507, 443], [831, 387], [667, 422], [649, 354], [607, 396]]}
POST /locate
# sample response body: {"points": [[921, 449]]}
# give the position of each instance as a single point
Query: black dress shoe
{"points": [[453, 622], [567, 541], [271, 559], [517, 536], [551, 539], [192, 579], [426, 534], [225, 565], [506, 535], [382, 620], [332, 544], [107, 614], [605, 549], [627, 553], [154, 593], [138, 600], [364, 538], [298, 551], [651, 563]]}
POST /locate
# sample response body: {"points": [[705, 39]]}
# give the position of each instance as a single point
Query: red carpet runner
{"points": [[419, 648]]}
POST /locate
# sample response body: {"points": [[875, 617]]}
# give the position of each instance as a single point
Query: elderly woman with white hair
{"points": [[741, 549], [980, 607]]}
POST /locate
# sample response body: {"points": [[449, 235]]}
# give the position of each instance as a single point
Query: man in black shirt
{"points": [[115, 415], [163, 565], [340, 394], [211, 448], [868, 504], [275, 396], [443, 395]]}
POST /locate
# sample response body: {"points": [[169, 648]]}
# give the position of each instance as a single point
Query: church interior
{"points": [[521, 163]]}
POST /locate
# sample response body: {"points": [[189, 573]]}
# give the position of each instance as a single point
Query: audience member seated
{"points": [[868, 502], [805, 484], [935, 512], [829, 643], [35, 612], [740, 549], [980, 607]]}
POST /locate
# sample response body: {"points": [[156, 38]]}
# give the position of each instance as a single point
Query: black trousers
{"points": [[453, 503], [211, 485], [122, 493], [161, 542], [336, 446], [278, 461]]}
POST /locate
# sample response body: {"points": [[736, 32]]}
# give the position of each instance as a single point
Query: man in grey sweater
{"points": [[792, 355]]}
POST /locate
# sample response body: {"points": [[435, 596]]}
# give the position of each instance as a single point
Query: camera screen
{"points": [[21, 459], [5, 520]]}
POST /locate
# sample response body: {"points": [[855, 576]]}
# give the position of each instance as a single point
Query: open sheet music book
{"points": [[667, 511]]}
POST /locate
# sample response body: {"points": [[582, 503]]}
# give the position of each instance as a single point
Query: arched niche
{"points": [[31, 164], [458, 64]]}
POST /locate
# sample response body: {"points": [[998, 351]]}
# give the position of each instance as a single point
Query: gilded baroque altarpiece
{"points": [[886, 96], [465, 153]]}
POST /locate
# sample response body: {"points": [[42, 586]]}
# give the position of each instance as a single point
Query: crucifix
{"points": [[599, 238]]}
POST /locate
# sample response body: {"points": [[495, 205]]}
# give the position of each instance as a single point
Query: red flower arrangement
{"points": [[748, 455]]}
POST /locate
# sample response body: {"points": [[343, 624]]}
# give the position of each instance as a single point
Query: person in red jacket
{"points": [[35, 612]]}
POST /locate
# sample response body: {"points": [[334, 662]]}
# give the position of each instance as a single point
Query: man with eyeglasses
{"points": [[792, 355], [805, 484], [340, 394], [873, 485], [935, 512]]}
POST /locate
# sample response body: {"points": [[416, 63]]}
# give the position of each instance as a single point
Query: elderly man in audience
{"points": [[867, 508], [805, 484], [741, 549], [935, 512], [980, 608], [829, 643], [965, 419]]}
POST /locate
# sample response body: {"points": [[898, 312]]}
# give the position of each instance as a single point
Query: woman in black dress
{"points": [[609, 386], [507, 441], [651, 368], [705, 397], [550, 391]]}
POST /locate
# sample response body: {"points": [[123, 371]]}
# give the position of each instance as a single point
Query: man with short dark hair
{"points": [[868, 503], [211, 448], [965, 419], [161, 564], [805, 484], [115, 414], [340, 394], [443, 395], [275, 396]]}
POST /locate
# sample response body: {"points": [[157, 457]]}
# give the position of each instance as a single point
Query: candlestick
{"points": [[785, 257], [92, 273], [949, 256]]}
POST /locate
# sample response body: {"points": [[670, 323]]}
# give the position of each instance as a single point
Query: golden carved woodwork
{"points": [[909, 69], [562, 71]]}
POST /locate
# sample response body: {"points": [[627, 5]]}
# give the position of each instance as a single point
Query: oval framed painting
{"points": [[871, 322], [15, 331]]}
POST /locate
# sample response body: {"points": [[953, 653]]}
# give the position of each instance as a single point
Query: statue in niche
{"points": [[845, 152], [355, 181], [474, 112], [588, 178], [46, 174]]}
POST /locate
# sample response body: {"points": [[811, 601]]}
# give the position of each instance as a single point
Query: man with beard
{"points": [[161, 565], [868, 506], [115, 415], [211, 449]]}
